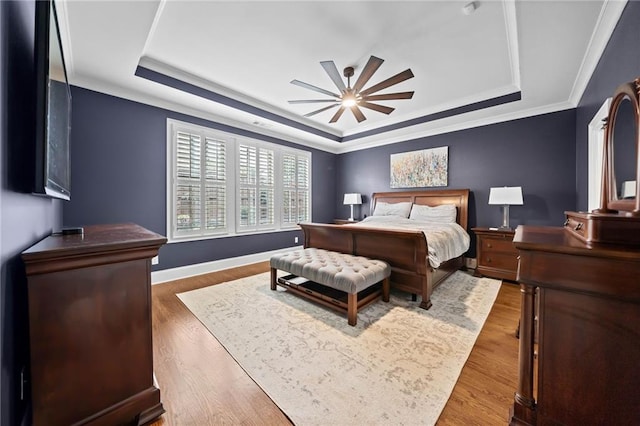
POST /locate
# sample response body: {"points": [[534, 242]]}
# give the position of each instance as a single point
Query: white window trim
{"points": [[596, 149], [232, 175]]}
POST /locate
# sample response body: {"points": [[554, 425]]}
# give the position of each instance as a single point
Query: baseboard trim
{"points": [[158, 277], [171, 274], [470, 262]]}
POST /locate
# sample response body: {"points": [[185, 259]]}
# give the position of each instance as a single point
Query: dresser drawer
{"points": [[578, 227]]}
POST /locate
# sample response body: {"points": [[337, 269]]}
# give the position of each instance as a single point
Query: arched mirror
{"points": [[618, 218], [622, 159], [623, 147]]}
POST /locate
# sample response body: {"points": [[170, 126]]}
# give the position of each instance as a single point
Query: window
{"points": [[256, 187], [295, 188], [221, 184]]}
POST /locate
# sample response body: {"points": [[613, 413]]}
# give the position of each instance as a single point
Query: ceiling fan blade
{"points": [[318, 111], [398, 78], [314, 88], [388, 96], [334, 74], [371, 67], [337, 115], [358, 114], [376, 107], [308, 101]]}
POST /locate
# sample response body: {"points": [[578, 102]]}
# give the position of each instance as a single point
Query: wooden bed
{"points": [[406, 251]]}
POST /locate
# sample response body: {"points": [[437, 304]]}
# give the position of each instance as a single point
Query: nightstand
{"points": [[496, 255], [344, 221]]}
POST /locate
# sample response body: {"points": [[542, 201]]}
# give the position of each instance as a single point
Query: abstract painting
{"points": [[418, 169]]}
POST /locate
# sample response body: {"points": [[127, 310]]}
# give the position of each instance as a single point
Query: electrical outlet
{"points": [[155, 260], [295, 240]]}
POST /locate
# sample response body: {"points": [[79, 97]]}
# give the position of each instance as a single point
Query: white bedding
{"points": [[444, 240]]}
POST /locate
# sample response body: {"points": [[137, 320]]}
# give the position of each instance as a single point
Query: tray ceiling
{"points": [[233, 61]]}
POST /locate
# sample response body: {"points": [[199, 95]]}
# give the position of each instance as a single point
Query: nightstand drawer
{"points": [[506, 261], [497, 244]]}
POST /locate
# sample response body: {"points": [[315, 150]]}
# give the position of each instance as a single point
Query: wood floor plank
{"points": [[201, 384]]}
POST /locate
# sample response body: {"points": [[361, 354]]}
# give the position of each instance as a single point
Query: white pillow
{"points": [[392, 209], [445, 213]]}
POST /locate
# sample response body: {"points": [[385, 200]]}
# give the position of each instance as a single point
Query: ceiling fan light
{"points": [[349, 100]]}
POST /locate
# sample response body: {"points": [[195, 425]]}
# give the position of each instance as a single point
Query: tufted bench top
{"points": [[341, 271]]}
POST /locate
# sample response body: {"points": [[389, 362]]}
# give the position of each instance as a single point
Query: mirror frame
{"points": [[609, 202]]}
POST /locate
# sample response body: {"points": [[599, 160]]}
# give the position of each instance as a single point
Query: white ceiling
{"points": [[249, 51]]}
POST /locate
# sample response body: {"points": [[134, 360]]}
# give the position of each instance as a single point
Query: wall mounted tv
{"points": [[53, 107]]}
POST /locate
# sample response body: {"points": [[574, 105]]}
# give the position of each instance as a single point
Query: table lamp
{"points": [[506, 196], [352, 199]]}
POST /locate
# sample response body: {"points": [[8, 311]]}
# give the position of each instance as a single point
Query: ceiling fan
{"points": [[354, 97]]}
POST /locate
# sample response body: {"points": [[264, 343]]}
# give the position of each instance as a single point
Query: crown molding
{"points": [[605, 25]]}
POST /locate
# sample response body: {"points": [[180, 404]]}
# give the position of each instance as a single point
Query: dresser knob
{"points": [[489, 245], [488, 260], [578, 227]]}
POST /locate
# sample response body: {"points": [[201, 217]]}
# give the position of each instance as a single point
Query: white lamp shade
{"points": [[352, 198], [506, 195], [628, 189]]}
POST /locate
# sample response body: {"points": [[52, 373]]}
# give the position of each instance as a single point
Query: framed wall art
{"points": [[417, 169]]}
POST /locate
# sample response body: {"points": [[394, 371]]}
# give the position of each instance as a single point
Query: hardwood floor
{"points": [[202, 385]]}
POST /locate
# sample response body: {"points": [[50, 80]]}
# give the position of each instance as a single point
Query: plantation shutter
{"points": [[266, 171], [295, 182], [188, 185], [256, 170], [222, 184], [200, 184], [216, 184], [303, 187]]}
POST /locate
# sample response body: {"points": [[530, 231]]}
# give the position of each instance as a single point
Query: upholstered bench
{"points": [[337, 280]]}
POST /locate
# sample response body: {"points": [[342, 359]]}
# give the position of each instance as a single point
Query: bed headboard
{"points": [[459, 197]]}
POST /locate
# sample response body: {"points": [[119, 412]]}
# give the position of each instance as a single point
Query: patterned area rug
{"points": [[397, 366]]}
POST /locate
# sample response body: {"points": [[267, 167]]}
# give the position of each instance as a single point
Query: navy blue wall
{"points": [[119, 175], [537, 153], [24, 218], [120, 160], [619, 63]]}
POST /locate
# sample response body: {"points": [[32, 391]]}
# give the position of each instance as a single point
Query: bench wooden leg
{"points": [[352, 308], [274, 277], [385, 289]]}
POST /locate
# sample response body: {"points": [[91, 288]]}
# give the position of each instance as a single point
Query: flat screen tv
{"points": [[53, 105]]}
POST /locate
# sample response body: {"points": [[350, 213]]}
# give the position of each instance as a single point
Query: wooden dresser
{"points": [[496, 255], [588, 330], [90, 327]]}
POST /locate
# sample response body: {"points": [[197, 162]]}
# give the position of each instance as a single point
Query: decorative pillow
{"points": [[445, 213], [392, 209]]}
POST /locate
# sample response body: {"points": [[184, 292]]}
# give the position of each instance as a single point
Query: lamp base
{"points": [[505, 218]]}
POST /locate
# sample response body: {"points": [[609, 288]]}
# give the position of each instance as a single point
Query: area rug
{"points": [[397, 366]]}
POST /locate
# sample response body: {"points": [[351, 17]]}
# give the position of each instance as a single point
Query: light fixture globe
{"points": [[349, 100]]}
